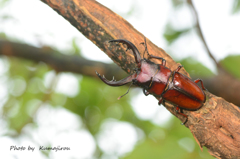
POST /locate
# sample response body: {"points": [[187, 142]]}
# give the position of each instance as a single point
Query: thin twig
{"points": [[201, 34]]}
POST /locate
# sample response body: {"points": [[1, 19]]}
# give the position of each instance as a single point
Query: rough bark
{"points": [[215, 125]]}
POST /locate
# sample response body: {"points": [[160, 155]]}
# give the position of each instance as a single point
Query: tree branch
{"points": [[99, 24], [225, 86], [59, 62], [219, 85]]}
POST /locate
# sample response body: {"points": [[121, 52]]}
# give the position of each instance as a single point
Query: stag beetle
{"points": [[160, 81]]}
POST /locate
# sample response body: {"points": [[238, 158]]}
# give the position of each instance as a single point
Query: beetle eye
{"points": [[134, 81]]}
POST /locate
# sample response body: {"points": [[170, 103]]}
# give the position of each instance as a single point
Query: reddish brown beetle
{"points": [[160, 81]]}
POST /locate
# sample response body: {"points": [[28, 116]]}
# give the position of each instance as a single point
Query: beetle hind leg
{"points": [[199, 80], [179, 111]]}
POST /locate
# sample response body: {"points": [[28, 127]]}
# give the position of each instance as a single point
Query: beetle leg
{"points": [[163, 102], [179, 68], [133, 48], [160, 58], [160, 101], [126, 92], [199, 80], [179, 111], [144, 89], [152, 56], [151, 82], [145, 45], [145, 92]]}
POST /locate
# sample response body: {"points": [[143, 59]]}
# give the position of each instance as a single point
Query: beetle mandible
{"points": [[160, 81]]}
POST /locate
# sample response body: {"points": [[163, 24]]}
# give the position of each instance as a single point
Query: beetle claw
{"points": [[110, 41], [97, 73], [113, 80]]}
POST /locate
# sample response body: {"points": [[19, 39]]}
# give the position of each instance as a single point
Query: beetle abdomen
{"points": [[185, 84], [184, 93], [176, 97]]}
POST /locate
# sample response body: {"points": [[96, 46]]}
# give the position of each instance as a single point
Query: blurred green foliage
{"points": [[3, 35], [96, 102], [232, 64], [3, 2], [173, 142], [236, 6], [76, 49], [172, 34], [177, 3], [25, 84], [195, 68]]}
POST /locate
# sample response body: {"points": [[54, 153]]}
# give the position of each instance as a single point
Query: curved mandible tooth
{"points": [[117, 83], [132, 47], [97, 73], [127, 49]]}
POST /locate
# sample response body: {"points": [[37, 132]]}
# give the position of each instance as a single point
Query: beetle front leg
{"points": [[179, 111], [160, 58], [179, 68], [152, 56], [145, 92]]}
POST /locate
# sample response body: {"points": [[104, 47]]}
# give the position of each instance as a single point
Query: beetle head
{"points": [[133, 77]]}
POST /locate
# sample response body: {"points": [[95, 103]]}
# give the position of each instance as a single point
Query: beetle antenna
{"points": [[145, 45], [126, 92]]}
